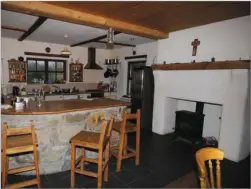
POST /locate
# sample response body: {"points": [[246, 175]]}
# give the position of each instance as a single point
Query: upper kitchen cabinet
{"points": [[76, 72]]}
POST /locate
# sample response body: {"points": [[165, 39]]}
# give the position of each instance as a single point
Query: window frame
{"points": [[46, 69]]}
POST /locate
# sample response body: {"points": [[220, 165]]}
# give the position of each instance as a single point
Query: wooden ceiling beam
{"points": [[121, 44], [13, 28], [38, 23], [68, 15], [94, 39]]}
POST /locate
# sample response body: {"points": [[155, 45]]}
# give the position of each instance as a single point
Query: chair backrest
{"points": [[127, 116], [207, 155], [11, 132], [106, 129]]}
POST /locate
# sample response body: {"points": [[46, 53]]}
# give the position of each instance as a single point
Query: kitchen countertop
{"points": [[80, 92], [57, 107]]}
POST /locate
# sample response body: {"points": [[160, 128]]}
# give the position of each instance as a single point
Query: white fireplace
{"points": [[212, 112], [227, 89]]}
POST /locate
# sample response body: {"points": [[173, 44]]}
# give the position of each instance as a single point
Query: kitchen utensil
{"points": [[115, 73], [107, 74]]}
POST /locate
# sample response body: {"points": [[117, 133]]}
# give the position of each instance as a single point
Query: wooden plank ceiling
{"points": [[143, 18], [163, 16]]}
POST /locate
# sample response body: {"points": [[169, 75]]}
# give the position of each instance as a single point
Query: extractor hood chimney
{"points": [[91, 62]]}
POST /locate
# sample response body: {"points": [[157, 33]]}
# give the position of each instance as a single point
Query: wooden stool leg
{"points": [[73, 158], [36, 162], [7, 169], [107, 155], [4, 169], [125, 145], [100, 166], [137, 145], [82, 159], [120, 154]]}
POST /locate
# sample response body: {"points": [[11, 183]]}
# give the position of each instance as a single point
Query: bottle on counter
{"points": [[2, 99]]}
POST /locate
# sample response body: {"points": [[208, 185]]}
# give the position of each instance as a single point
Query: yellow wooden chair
{"points": [[14, 142], [209, 154], [124, 127], [90, 140]]}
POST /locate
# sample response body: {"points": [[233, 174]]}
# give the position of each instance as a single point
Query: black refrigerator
{"points": [[142, 95]]}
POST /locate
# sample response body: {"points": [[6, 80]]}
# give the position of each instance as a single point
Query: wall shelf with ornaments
{"points": [[218, 65], [17, 71], [76, 72]]}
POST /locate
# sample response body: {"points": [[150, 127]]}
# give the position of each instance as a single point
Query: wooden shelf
{"points": [[238, 64], [17, 71], [46, 54], [76, 72]]}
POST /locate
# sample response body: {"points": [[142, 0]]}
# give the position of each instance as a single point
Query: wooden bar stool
{"points": [[17, 141], [124, 128], [90, 140]]}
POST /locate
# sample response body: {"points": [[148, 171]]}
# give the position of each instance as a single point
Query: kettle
{"points": [[15, 90]]}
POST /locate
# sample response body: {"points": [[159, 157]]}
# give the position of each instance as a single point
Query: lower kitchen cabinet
{"points": [[68, 97], [83, 96], [54, 97]]}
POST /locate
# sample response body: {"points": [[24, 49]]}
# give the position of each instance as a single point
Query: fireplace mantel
{"points": [[241, 64]]}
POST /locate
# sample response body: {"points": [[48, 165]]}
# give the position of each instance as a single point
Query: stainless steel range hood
{"points": [[91, 63]]}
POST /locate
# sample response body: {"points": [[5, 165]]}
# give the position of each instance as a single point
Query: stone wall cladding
{"points": [[54, 131]]}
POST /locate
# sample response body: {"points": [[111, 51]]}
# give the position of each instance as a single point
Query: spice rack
{"points": [[17, 71], [76, 72]]}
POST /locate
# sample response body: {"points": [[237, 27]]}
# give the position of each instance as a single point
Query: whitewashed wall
{"points": [[12, 48], [226, 40]]}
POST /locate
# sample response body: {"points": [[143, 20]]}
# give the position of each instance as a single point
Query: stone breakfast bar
{"points": [[55, 123]]}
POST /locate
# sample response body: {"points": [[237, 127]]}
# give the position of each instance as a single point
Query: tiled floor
{"points": [[161, 163]]}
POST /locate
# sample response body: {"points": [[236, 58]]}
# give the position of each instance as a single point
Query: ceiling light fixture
{"points": [[65, 51], [110, 38]]}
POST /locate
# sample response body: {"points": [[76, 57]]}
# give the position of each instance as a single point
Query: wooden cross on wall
{"points": [[195, 44]]}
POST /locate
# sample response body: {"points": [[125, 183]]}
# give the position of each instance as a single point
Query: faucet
{"points": [[57, 87], [72, 88]]}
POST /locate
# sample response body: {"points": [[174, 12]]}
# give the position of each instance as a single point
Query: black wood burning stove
{"points": [[189, 125]]}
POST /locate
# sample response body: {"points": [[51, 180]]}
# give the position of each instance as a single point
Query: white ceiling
{"points": [[53, 31], [17, 20], [11, 34]]}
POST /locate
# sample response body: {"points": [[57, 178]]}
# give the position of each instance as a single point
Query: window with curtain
{"points": [[48, 71]]}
